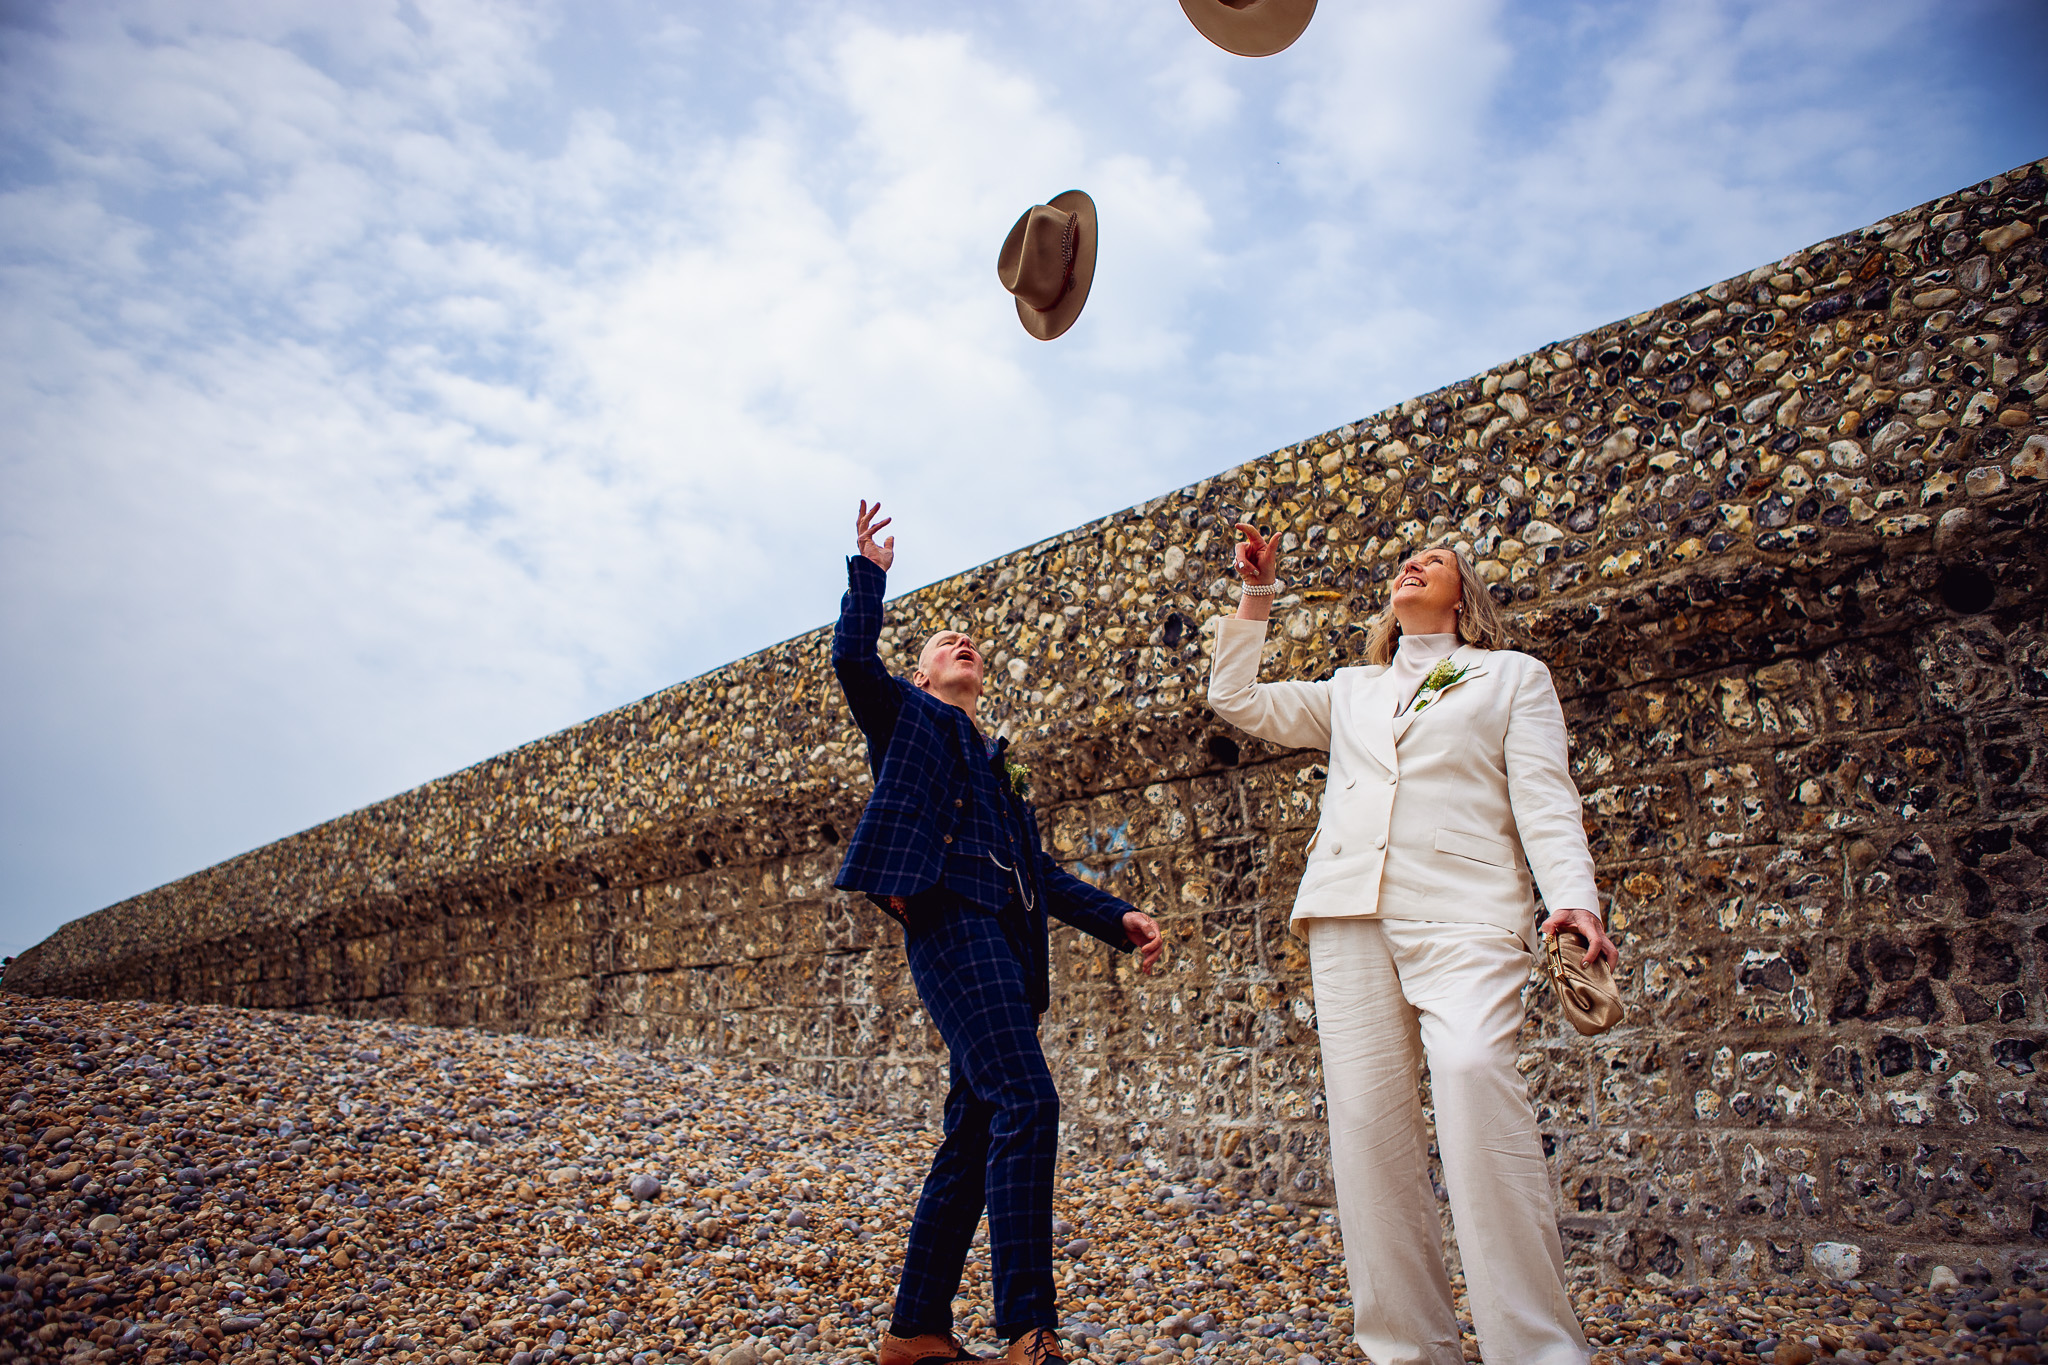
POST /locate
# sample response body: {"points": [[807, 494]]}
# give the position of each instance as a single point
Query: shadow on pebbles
{"points": [[192, 1183]]}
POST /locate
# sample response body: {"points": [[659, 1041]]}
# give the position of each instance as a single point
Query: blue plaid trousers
{"points": [[1002, 1129]]}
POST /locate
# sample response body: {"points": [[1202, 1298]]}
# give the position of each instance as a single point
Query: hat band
{"points": [[1068, 239]]}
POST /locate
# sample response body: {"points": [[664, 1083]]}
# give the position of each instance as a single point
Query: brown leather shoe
{"points": [[928, 1349], [1036, 1347]]}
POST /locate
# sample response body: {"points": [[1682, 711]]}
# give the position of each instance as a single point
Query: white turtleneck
{"points": [[1413, 658]]}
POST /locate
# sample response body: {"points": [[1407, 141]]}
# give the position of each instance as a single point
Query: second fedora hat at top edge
{"points": [[1250, 28], [1048, 262]]}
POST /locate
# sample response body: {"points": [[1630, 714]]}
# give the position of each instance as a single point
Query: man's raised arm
{"points": [[870, 691]]}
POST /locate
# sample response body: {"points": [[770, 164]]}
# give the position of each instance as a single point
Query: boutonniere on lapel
{"points": [[1444, 676], [1018, 776], [1014, 774]]}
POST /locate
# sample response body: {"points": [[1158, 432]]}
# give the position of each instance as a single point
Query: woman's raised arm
{"points": [[1291, 713], [1256, 562]]}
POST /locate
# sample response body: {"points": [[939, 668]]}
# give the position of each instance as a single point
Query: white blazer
{"points": [[1438, 814]]}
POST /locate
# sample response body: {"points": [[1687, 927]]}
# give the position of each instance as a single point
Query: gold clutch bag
{"points": [[1588, 994]]}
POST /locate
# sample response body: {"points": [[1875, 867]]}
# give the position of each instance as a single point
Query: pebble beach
{"points": [[197, 1183]]}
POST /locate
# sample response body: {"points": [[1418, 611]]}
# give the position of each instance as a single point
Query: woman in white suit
{"points": [[1449, 798]]}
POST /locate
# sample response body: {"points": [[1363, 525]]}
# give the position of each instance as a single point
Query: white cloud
{"points": [[398, 454], [1508, 181], [1395, 95], [387, 384], [1194, 92]]}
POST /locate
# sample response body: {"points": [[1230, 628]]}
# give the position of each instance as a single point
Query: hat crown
{"points": [[1037, 260], [1048, 262], [1250, 28]]}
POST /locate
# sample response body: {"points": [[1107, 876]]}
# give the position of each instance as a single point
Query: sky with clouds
{"points": [[383, 385]]}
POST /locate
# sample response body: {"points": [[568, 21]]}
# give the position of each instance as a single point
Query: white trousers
{"points": [[1389, 993]]}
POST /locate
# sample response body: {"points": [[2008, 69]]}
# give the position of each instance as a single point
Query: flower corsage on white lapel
{"points": [[1445, 675]]}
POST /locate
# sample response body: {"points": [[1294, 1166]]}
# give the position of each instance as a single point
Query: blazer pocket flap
{"points": [[1478, 847], [896, 803]]}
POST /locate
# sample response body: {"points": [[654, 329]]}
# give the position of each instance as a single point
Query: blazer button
{"points": [[1393, 779], [1352, 783], [949, 839], [1380, 842], [957, 803], [1336, 848]]}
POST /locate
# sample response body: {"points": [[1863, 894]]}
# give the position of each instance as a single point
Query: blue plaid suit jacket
{"points": [[940, 813]]}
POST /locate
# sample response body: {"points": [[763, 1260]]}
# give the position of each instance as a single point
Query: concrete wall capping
{"points": [[1784, 545]]}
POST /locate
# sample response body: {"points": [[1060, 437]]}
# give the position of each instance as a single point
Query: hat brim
{"points": [[1051, 322], [1260, 31]]}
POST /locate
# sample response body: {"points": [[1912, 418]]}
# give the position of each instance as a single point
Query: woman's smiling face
{"points": [[1428, 584]]}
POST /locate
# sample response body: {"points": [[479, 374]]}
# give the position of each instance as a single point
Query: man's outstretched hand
{"points": [[1144, 934], [864, 528]]}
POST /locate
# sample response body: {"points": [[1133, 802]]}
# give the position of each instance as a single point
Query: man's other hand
{"points": [[1145, 937], [864, 528]]}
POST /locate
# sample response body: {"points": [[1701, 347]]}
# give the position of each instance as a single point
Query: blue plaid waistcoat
{"points": [[942, 812]]}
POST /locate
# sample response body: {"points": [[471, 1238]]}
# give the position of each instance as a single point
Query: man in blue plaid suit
{"points": [[950, 850]]}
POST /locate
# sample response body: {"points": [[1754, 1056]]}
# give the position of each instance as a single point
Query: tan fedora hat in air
{"points": [[1250, 28], [1048, 262]]}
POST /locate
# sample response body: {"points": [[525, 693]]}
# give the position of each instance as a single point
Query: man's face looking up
{"points": [[949, 663]]}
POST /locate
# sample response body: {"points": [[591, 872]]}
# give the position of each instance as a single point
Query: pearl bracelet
{"points": [[1260, 589]]}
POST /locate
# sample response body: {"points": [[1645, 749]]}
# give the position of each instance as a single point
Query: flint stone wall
{"points": [[1784, 545]]}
